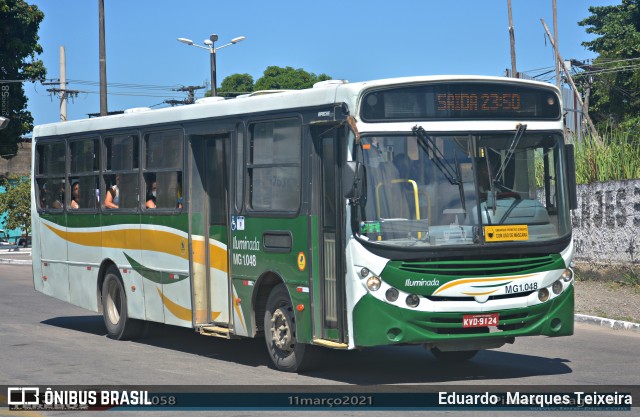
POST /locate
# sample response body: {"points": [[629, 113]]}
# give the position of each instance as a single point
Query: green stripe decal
{"points": [[159, 277]]}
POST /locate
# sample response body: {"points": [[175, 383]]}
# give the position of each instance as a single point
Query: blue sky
{"points": [[352, 40]]}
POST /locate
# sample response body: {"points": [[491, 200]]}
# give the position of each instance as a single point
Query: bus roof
{"points": [[322, 95]]}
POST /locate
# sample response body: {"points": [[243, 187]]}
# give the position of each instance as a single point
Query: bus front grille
{"points": [[485, 267]]}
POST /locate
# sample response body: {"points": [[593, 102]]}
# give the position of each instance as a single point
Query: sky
{"points": [[347, 39]]}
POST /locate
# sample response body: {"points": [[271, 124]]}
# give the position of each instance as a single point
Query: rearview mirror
{"points": [[353, 176]]}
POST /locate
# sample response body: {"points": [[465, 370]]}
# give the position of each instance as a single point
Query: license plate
{"points": [[480, 320]]}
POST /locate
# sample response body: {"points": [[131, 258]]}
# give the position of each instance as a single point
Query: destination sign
{"points": [[461, 101]]}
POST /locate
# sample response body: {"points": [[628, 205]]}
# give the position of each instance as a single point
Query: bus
{"points": [[431, 210]]}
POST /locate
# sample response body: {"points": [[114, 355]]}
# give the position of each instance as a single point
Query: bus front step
{"points": [[216, 331], [330, 344]]}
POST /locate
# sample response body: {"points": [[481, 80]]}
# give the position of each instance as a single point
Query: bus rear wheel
{"points": [[453, 356], [114, 308], [286, 353]]}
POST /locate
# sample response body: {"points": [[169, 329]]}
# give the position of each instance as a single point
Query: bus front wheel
{"points": [[114, 308], [286, 353]]}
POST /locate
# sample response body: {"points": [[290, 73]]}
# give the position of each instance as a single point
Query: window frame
{"points": [[144, 171], [48, 176], [105, 172], [249, 166], [96, 173]]}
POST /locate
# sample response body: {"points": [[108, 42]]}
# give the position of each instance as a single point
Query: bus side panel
{"points": [[55, 279], [121, 244], [84, 260], [164, 267], [250, 260], [36, 255]]}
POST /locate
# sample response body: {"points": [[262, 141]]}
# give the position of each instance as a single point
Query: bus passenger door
{"points": [[329, 294], [208, 228]]}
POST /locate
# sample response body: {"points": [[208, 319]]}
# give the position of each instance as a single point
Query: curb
{"points": [[7, 257], [15, 261], [602, 322]]}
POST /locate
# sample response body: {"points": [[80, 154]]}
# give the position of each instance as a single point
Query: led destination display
{"points": [[471, 101]]}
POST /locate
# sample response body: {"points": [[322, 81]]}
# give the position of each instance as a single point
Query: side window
{"points": [[84, 185], [50, 175], [163, 170], [239, 166], [121, 172], [273, 168]]}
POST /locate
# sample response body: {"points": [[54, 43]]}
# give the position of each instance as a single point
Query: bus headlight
{"points": [[413, 300], [392, 295], [557, 287], [543, 294], [373, 283], [567, 275], [364, 272]]}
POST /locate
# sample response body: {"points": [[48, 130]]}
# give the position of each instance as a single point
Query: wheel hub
{"points": [[281, 331], [113, 303]]}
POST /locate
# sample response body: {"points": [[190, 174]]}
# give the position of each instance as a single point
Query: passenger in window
{"points": [[152, 190], [179, 192], [112, 199], [58, 198], [75, 195]]}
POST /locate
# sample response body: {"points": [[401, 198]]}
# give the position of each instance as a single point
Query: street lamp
{"points": [[212, 54]]}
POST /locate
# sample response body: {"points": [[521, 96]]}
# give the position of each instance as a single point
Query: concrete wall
{"points": [[19, 164], [606, 224]]}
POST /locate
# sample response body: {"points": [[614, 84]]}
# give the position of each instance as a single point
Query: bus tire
{"points": [[286, 353], [114, 308], [453, 356]]}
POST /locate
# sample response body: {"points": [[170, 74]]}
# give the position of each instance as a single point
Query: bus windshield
{"points": [[441, 189]]}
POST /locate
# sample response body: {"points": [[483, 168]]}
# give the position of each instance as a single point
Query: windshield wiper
{"points": [[520, 129], [451, 173]]}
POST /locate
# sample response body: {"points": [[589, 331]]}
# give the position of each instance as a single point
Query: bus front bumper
{"points": [[377, 323]]}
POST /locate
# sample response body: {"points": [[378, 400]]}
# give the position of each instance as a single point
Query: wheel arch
{"points": [[264, 285], [104, 266]]}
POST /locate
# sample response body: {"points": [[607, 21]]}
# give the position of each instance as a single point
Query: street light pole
{"points": [[212, 55]]}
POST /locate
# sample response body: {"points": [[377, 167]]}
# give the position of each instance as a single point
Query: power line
{"points": [[126, 85]]}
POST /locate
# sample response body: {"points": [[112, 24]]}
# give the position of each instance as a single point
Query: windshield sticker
{"points": [[506, 233], [369, 227]]}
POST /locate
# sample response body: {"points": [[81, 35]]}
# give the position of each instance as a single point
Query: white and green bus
{"points": [[423, 210]]}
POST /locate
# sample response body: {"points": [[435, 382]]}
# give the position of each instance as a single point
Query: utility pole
{"points": [[555, 40], [191, 98], [512, 41], [63, 85], [103, 61], [594, 132], [62, 92]]}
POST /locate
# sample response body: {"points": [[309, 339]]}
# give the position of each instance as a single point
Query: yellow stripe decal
{"points": [[474, 280], [238, 311], [177, 310], [145, 239], [479, 293], [180, 312]]}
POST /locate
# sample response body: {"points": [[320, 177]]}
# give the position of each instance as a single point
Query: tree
{"points": [[19, 23], [615, 73], [236, 84], [16, 202], [273, 78], [278, 78]]}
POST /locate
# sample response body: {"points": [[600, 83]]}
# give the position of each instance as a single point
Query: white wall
{"points": [[606, 224]]}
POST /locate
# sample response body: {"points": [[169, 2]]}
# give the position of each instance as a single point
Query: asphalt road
{"points": [[47, 341]]}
